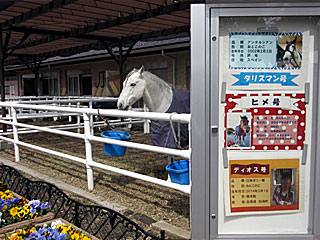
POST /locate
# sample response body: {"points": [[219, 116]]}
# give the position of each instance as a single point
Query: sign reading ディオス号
{"points": [[263, 186], [263, 121]]}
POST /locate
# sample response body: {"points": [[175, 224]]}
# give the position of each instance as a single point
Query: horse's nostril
{"points": [[120, 105]]}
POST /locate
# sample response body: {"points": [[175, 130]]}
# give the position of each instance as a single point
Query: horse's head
{"points": [[244, 123], [291, 54], [133, 89]]}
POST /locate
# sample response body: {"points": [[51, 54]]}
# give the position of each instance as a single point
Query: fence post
{"points": [[70, 118], [15, 134], [78, 118], [87, 132], [146, 126], [91, 119]]}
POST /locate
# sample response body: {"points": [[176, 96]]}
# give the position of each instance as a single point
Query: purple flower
{"points": [[34, 203], [62, 236], [33, 210], [44, 205]]}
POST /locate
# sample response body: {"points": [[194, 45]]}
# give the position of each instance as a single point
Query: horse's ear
{"points": [[295, 40], [141, 69]]}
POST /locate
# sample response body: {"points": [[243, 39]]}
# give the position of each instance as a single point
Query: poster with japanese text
{"points": [[262, 186], [265, 121], [254, 60]]}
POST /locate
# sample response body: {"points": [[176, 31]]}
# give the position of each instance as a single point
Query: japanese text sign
{"points": [[263, 185], [262, 121], [253, 50]]}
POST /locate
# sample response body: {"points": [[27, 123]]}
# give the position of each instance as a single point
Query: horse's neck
{"points": [[157, 96]]}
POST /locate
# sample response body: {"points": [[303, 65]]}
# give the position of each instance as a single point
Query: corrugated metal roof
{"points": [[47, 28]]}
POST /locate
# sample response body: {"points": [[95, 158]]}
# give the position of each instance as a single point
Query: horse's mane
{"points": [[155, 78], [151, 76]]}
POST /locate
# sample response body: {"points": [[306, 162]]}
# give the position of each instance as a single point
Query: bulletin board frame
{"points": [[205, 173]]}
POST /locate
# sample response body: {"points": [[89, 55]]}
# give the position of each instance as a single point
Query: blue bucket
{"points": [[111, 149], [179, 172]]}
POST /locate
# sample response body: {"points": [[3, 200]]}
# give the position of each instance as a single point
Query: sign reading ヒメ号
{"points": [[263, 121]]}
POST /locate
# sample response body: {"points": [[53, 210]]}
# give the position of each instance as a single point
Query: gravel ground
{"points": [[146, 203]]}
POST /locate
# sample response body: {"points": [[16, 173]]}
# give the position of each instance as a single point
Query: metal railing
{"points": [[102, 222], [88, 137]]}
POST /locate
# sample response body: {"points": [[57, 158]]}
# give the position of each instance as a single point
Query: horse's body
{"points": [[290, 56], [158, 97]]}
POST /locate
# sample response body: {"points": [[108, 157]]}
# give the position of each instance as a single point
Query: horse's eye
{"points": [[132, 84]]}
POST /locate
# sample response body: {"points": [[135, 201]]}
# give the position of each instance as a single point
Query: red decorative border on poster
{"points": [[265, 121]]}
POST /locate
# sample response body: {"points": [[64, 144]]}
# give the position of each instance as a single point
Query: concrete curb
{"points": [[171, 230], [65, 187]]}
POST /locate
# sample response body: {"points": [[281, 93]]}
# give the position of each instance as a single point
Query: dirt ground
{"points": [[146, 203]]}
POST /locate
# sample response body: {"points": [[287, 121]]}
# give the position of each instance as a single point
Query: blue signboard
{"points": [[252, 50], [246, 78]]}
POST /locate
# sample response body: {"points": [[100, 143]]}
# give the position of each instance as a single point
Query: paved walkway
{"points": [[161, 225]]}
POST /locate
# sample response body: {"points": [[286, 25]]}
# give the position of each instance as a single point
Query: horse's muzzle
{"points": [[121, 106]]}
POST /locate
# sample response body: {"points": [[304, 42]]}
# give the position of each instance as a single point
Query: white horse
{"points": [[156, 93], [158, 97]]}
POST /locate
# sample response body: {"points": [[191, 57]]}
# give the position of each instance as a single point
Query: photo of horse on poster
{"points": [[289, 54]]}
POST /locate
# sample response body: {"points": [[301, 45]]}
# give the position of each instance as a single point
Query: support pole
{"points": [[87, 133], [120, 59], [15, 134], [78, 119], [3, 93], [121, 67]]}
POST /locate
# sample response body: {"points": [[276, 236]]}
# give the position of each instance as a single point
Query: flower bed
{"points": [[16, 211], [57, 229]]}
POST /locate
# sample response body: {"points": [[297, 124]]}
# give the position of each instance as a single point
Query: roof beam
{"points": [[179, 6], [82, 32], [23, 55], [61, 34], [157, 34], [126, 40], [22, 39], [70, 51], [32, 13]]}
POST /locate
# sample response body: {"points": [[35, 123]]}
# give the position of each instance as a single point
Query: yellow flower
{"points": [[4, 208], [75, 236], [33, 215], [27, 206], [21, 214], [15, 235], [4, 197], [13, 211]]}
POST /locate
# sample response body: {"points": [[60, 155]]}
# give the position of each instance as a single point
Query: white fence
{"points": [[88, 136]]}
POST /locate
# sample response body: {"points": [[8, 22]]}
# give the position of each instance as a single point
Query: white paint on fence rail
{"points": [[88, 137]]}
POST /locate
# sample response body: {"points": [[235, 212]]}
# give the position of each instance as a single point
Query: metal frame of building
{"points": [[206, 97]]}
